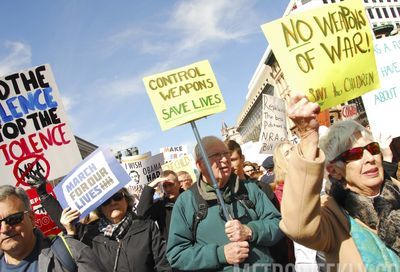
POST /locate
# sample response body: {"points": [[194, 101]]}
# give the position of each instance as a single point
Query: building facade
{"points": [[384, 17]]}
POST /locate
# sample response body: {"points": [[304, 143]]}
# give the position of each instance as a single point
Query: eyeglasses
{"points": [[14, 219], [219, 155], [116, 197], [356, 153]]}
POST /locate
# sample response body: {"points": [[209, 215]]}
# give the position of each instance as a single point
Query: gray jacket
{"points": [[81, 253]]}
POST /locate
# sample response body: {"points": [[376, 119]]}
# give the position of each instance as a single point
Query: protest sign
{"points": [[173, 152], [92, 182], [326, 53], [349, 111], [185, 94], [42, 219], [184, 163], [273, 128], [382, 105], [34, 130], [144, 170]]}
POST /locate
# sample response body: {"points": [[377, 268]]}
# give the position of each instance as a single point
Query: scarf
{"points": [[116, 231], [381, 213], [208, 192]]}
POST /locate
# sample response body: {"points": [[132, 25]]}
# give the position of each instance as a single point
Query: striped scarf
{"points": [[116, 231]]}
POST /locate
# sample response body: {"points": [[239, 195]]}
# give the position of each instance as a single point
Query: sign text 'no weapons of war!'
{"points": [[326, 53], [34, 130], [184, 94]]}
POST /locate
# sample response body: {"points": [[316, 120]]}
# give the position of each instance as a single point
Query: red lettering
{"points": [[34, 144]]}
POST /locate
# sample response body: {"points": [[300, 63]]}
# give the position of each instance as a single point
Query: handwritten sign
{"points": [[273, 128], [184, 163], [34, 130], [326, 53], [173, 152], [349, 111], [92, 182], [383, 105], [184, 94]]}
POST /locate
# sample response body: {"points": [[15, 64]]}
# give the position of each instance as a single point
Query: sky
{"points": [[100, 50]]}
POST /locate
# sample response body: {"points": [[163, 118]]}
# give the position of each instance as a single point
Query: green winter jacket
{"points": [[207, 252]]}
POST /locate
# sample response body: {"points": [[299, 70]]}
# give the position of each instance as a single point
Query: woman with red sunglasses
{"points": [[357, 224]]}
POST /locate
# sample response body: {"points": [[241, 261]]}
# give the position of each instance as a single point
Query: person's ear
{"points": [[335, 171]]}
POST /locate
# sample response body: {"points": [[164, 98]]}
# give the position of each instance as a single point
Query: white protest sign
{"points": [[173, 152], [92, 182], [273, 127], [142, 171], [34, 130], [383, 105]]}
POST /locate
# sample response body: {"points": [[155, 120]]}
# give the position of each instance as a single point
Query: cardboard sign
{"points": [[184, 94], [143, 171], [174, 152], [349, 111], [184, 163], [92, 182], [326, 53], [34, 130], [383, 105], [273, 128]]}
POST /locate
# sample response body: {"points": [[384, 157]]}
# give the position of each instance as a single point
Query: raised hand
{"points": [[67, 219]]}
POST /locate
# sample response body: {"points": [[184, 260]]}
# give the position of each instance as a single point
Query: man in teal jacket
{"points": [[217, 244]]}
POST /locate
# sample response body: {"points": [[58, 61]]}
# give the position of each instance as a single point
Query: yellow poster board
{"points": [[184, 163], [185, 94], [326, 53]]}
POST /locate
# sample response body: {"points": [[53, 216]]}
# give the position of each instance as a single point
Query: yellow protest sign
{"points": [[181, 95], [184, 163], [326, 53]]}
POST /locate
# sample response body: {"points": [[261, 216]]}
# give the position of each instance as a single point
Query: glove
{"points": [[37, 181]]}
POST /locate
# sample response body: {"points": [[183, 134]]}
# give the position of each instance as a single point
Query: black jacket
{"points": [[159, 211], [142, 248]]}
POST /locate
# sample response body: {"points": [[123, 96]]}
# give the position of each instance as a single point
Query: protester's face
{"points": [[287, 150], [365, 175], [116, 209], [220, 160], [171, 187], [248, 170], [185, 180], [16, 239], [237, 163]]}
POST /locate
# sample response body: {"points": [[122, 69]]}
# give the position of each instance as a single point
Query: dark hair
{"points": [[128, 198], [233, 146], [166, 173]]}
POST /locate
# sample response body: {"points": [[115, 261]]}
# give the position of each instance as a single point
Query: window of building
{"points": [[393, 12], [397, 24], [333, 1], [398, 11], [385, 12], [373, 1], [378, 12], [371, 14], [325, 1], [381, 1], [365, 1]]}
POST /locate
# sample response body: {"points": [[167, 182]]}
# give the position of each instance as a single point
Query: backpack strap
{"points": [[201, 212], [62, 252], [243, 196]]}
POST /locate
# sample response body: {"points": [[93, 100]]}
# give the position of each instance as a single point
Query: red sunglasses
{"points": [[356, 153]]}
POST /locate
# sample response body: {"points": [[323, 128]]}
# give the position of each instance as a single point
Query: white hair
{"points": [[340, 138], [206, 141]]}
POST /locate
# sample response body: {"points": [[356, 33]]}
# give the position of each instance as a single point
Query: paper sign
{"points": [[92, 182], [184, 163], [326, 53], [383, 105], [184, 94], [143, 171], [273, 128], [173, 152], [34, 130]]}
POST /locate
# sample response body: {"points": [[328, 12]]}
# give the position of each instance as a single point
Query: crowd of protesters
{"points": [[330, 203]]}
